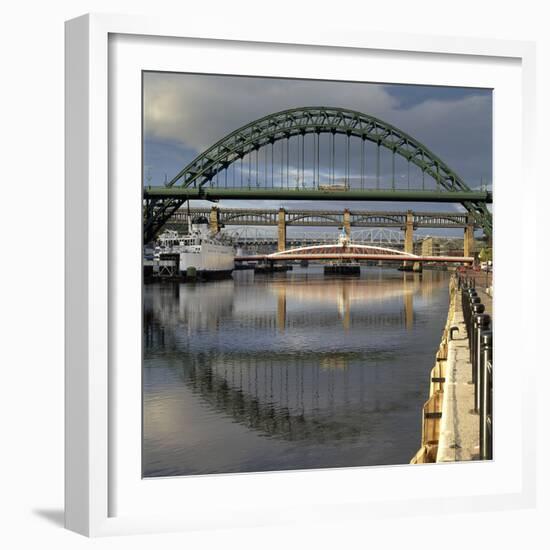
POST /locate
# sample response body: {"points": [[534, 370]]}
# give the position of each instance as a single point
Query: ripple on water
{"points": [[274, 373]]}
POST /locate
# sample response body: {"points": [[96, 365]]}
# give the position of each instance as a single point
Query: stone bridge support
{"points": [[409, 236], [281, 230], [409, 232], [469, 245], [214, 220]]}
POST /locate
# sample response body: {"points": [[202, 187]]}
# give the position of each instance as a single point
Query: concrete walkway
{"points": [[459, 426]]}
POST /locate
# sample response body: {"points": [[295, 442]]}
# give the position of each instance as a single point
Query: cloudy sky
{"points": [[186, 113]]}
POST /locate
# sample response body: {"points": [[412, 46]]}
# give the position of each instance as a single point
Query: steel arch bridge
{"points": [[206, 177]]}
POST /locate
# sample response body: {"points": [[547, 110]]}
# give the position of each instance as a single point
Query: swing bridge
{"points": [[258, 240], [316, 154], [347, 251]]}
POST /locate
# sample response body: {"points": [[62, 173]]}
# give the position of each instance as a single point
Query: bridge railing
{"points": [[480, 338]]}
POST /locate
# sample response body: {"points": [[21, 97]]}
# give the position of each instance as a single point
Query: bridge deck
{"points": [[217, 193], [342, 256]]}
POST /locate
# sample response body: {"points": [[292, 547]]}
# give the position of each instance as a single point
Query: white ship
{"points": [[210, 255]]}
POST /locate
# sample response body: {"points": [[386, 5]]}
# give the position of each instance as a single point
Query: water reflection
{"points": [[292, 371]]}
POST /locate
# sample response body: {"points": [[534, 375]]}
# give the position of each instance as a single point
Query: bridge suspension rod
{"points": [[201, 177]]}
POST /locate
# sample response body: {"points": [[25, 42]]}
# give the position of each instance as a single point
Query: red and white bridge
{"points": [[346, 250]]}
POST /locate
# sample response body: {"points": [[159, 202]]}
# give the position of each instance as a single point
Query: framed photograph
{"points": [[287, 291]]}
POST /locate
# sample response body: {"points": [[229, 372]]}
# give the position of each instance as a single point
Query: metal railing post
{"points": [[474, 301], [486, 406], [468, 293], [480, 339], [477, 309], [482, 323]]}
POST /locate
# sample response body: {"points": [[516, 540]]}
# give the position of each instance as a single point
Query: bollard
{"points": [[486, 405], [474, 301], [474, 298], [477, 309], [482, 324], [468, 293]]}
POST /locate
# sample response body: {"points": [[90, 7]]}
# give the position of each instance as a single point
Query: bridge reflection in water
{"points": [[287, 372]]}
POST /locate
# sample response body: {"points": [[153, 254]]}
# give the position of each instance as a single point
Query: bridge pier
{"points": [[409, 235], [214, 220], [469, 238], [281, 230], [347, 222], [409, 232]]}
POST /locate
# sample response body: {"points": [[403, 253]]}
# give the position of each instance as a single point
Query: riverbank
{"points": [[450, 426]]}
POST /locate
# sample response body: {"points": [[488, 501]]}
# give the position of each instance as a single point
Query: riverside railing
{"points": [[480, 338]]}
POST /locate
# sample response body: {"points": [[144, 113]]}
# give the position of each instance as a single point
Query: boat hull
{"points": [[211, 259], [206, 275]]}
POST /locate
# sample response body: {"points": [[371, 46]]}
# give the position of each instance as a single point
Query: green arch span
{"points": [[309, 120]]}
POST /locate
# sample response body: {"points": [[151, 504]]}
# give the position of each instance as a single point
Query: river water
{"points": [[288, 371]]}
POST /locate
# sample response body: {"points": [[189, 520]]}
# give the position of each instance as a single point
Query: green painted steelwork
{"points": [[199, 175], [218, 193]]}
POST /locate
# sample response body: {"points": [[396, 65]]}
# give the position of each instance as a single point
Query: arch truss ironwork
{"points": [[207, 175]]}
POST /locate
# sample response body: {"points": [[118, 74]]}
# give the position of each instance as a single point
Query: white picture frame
{"points": [[104, 490]]}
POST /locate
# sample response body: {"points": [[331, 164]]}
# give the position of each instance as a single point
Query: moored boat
{"points": [[201, 253]]}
